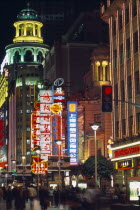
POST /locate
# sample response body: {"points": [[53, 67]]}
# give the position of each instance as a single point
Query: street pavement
{"points": [[36, 206]]}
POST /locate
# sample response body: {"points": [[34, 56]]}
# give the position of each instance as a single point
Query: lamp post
{"points": [[95, 127], [59, 142], [6, 173], [23, 163], [38, 153], [14, 168]]}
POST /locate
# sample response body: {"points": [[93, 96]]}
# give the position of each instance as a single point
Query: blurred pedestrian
{"points": [[32, 194], [123, 196], [9, 197], [44, 197], [1, 193], [90, 197]]}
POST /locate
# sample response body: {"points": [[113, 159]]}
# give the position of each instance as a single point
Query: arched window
{"points": [[17, 57], [28, 56], [29, 30], [21, 30], [39, 57]]}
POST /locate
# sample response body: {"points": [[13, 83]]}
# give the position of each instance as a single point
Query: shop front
{"points": [[126, 160]]}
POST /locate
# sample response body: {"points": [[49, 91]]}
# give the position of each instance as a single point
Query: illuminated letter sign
{"points": [[46, 100], [127, 151], [72, 107]]}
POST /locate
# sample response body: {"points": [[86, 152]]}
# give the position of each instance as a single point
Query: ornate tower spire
{"points": [[28, 27]]}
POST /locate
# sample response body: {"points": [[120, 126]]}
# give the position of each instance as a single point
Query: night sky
{"points": [[8, 14]]}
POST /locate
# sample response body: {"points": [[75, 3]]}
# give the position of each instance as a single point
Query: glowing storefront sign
{"points": [[56, 108], [35, 129], [46, 100], [39, 168], [56, 132], [126, 151], [72, 108], [3, 150]]}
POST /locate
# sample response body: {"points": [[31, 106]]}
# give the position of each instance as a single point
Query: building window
{"points": [[134, 8], [120, 22], [27, 129], [123, 127], [121, 54], [100, 72], [130, 125], [28, 141], [97, 118], [138, 122], [127, 15], [40, 57], [28, 103], [135, 41], [128, 48], [137, 86], [17, 57], [115, 59], [117, 129], [28, 111], [28, 56], [28, 153], [116, 94], [129, 87], [114, 27], [122, 91]]}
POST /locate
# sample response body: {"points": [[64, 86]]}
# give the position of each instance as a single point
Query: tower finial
{"points": [[28, 5]]}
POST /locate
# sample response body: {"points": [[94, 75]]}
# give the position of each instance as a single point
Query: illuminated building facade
{"points": [[3, 121], [124, 29], [25, 67], [99, 74]]}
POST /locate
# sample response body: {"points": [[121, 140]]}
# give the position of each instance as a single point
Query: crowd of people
{"points": [[75, 198]]}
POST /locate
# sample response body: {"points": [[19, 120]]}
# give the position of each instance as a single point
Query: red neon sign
{"points": [[127, 151]]}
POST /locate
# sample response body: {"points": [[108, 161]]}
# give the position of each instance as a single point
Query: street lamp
{"points": [[95, 127], [38, 151], [23, 163], [6, 173], [59, 142], [14, 167]]}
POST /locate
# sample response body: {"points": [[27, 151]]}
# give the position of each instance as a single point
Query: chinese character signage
{"points": [[39, 168], [126, 151], [72, 111], [125, 165], [46, 100]]}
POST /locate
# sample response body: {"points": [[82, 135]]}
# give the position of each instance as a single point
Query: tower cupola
{"points": [[28, 26]]}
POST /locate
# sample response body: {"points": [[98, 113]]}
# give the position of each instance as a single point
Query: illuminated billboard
{"points": [[46, 100], [72, 117]]}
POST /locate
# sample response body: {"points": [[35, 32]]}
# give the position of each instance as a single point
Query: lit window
{"points": [[28, 153], [28, 111], [28, 129], [28, 141]]}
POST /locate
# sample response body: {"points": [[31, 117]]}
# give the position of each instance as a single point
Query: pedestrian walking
{"points": [[9, 197], [89, 197]]}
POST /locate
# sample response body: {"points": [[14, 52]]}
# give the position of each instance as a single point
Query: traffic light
{"points": [[106, 98]]}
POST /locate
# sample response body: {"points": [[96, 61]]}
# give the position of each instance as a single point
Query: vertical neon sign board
{"points": [[35, 129], [72, 108], [46, 99]]}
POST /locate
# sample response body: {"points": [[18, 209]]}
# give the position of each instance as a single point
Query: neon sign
{"points": [[46, 100], [72, 108], [127, 151]]}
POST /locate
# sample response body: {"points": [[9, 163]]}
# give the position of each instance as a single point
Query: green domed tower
{"points": [[25, 61]]}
